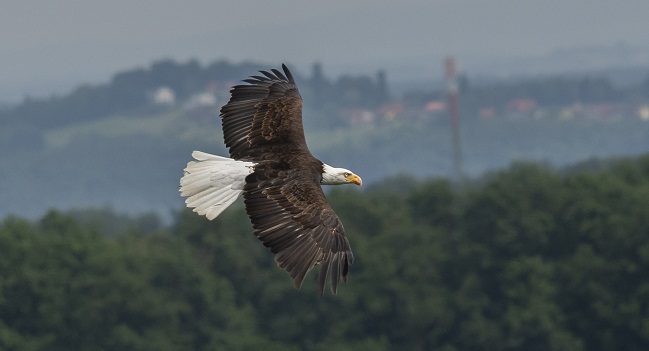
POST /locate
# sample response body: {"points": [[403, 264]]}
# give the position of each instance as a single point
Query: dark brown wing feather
{"points": [[264, 115], [262, 122], [291, 216]]}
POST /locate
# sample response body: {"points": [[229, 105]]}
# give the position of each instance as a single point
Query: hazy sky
{"points": [[46, 45]]}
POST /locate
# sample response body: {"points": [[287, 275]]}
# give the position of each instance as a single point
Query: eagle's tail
{"points": [[212, 183]]}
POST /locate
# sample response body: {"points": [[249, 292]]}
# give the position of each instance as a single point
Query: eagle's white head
{"points": [[337, 176]]}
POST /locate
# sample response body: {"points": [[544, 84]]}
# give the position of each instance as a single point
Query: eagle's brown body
{"points": [[262, 128]]}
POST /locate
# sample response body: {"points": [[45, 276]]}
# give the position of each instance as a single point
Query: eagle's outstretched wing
{"points": [[291, 216], [262, 123], [264, 117]]}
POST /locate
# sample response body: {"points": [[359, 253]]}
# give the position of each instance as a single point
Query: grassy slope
{"points": [[132, 162]]}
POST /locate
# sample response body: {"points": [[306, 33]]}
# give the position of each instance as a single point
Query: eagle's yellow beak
{"points": [[355, 179]]}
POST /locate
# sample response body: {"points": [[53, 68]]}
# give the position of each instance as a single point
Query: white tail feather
{"points": [[212, 183]]}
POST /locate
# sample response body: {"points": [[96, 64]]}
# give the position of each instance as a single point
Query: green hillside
{"points": [[132, 163]]}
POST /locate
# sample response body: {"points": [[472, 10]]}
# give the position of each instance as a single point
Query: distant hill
{"points": [[113, 146]]}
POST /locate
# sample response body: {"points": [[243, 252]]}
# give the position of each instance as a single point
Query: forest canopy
{"points": [[526, 258]]}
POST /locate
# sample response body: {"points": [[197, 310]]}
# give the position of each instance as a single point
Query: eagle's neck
{"points": [[332, 175]]}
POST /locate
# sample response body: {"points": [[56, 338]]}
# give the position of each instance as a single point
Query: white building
{"points": [[164, 96]]}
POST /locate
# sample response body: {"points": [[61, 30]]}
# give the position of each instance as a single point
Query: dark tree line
{"points": [[553, 91], [548, 91], [127, 91], [130, 91], [524, 259]]}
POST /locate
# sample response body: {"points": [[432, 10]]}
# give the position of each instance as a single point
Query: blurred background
{"points": [[504, 147]]}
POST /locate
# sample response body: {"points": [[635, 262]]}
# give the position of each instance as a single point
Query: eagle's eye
{"points": [[347, 174]]}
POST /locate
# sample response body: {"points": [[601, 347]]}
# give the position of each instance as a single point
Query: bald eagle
{"points": [[270, 164]]}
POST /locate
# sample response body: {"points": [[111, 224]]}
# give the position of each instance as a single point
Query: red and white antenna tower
{"points": [[451, 78]]}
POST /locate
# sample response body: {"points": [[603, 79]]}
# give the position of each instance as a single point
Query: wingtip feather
{"points": [[288, 73]]}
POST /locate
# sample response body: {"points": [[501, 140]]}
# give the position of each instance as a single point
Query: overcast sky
{"points": [[47, 45]]}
